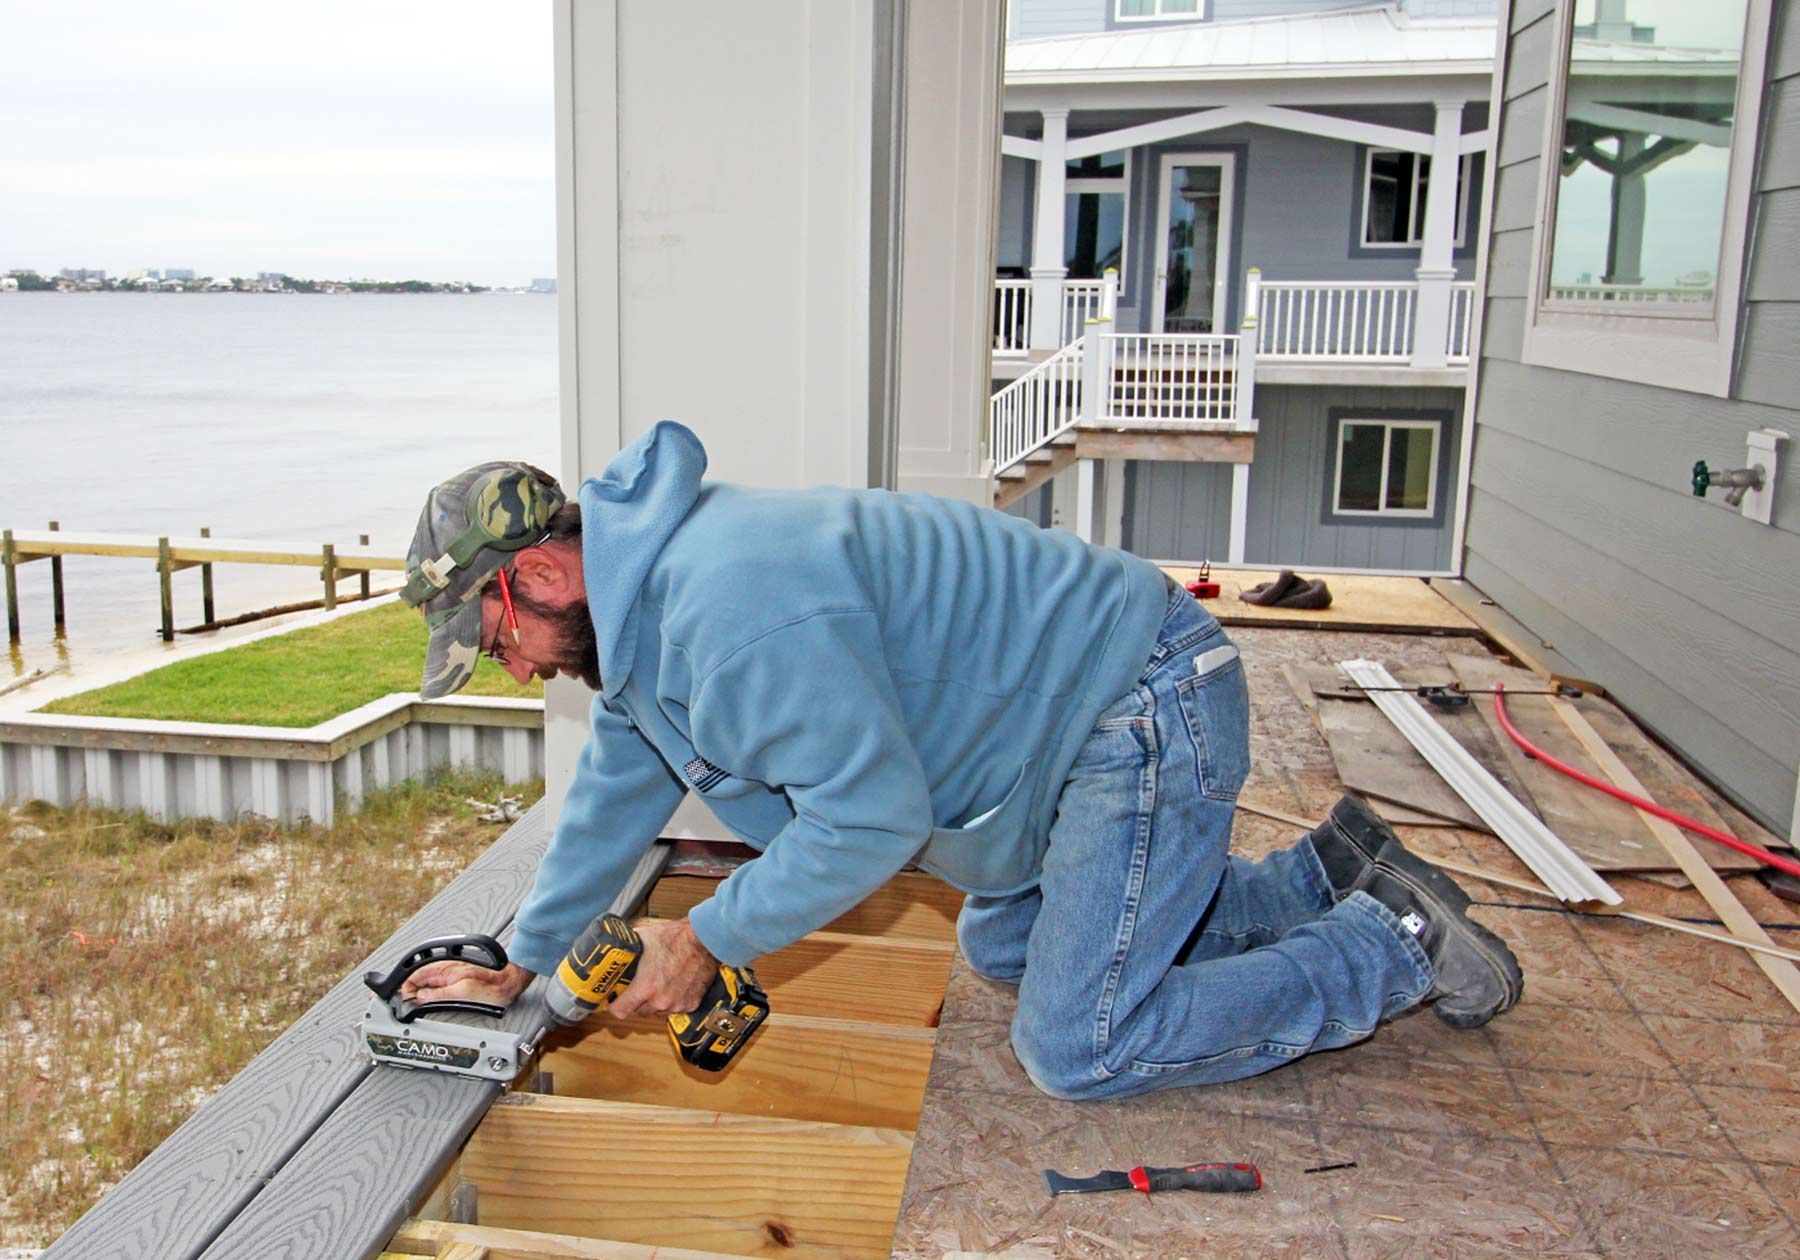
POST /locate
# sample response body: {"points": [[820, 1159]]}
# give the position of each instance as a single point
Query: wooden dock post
{"points": [[362, 540], [206, 587], [329, 573], [12, 586], [165, 570], [56, 586]]}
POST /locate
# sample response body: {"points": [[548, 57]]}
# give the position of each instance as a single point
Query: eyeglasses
{"points": [[509, 619]]}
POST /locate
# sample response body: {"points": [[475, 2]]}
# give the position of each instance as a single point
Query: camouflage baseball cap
{"points": [[471, 526]]}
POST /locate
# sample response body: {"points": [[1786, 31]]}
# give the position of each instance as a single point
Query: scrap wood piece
{"points": [[1607, 833], [1730, 910], [424, 1238], [1539, 847], [1538, 890]]}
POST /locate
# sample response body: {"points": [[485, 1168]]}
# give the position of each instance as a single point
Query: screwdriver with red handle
{"points": [[1215, 1178]]}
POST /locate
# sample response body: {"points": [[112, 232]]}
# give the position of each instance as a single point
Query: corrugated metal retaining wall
{"points": [[174, 770]]}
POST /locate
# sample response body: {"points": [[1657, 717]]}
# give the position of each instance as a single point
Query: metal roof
{"points": [[1378, 40]]}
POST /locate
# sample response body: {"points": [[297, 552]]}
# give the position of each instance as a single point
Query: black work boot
{"points": [[1476, 975]]}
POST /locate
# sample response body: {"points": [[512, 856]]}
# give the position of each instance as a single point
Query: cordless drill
{"points": [[600, 965]]}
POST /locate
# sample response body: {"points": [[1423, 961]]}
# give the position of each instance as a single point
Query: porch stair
{"points": [[1038, 467]]}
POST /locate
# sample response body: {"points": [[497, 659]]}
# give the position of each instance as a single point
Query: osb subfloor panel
{"points": [[1358, 602], [1642, 1101]]}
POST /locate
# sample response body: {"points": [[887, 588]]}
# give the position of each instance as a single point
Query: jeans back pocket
{"points": [[1215, 704]]}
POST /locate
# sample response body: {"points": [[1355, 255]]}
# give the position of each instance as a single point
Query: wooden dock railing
{"points": [[172, 554]]}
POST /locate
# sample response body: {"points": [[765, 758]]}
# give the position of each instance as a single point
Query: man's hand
{"points": [[444, 981], [673, 974]]}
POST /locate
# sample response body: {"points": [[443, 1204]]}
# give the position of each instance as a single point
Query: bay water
{"points": [[290, 417]]}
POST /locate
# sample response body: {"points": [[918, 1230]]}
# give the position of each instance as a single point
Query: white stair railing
{"points": [[1037, 408], [1082, 300]]}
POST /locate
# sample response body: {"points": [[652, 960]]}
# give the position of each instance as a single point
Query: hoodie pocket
{"points": [[1215, 705]]}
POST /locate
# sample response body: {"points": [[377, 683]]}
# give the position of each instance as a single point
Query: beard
{"points": [[577, 651]]}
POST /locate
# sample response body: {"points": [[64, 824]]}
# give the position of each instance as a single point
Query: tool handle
{"points": [[1215, 1178], [488, 1009], [483, 951]]}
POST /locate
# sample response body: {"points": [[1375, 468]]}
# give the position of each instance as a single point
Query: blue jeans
{"points": [[1148, 957]]}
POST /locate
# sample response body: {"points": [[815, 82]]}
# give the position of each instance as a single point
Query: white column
{"points": [[1625, 235], [1047, 269], [1437, 264], [1112, 506], [1240, 513]]}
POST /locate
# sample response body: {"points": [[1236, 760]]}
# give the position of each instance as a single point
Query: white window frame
{"points": [[1107, 184], [1465, 171], [1202, 12], [1387, 427], [1667, 347]]}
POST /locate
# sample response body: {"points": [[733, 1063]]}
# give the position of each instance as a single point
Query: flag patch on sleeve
{"points": [[703, 775]]}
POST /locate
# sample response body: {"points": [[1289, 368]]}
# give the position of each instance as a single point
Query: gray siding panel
{"points": [[1509, 264], [1183, 511], [1650, 530], [1781, 144], [1523, 135], [1773, 275], [1651, 435], [1769, 369], [1784, 43], [1525, 12], [1528, 62], [1515, 197], [1177, 511], [1034, 18], [1503, 329]]}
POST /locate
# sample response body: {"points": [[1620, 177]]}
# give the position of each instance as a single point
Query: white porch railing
{"points": [[1037, 408], [1352, 321], [1462, 321], [1174, 379], [1012, 318], [1628, 293]]}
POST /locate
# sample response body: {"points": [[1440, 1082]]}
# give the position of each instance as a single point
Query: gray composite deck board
{"points": [[188, 1190], [379, 1153]]}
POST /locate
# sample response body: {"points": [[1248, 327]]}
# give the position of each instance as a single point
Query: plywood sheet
{"points": [[1605, 832], [1358, 602]]}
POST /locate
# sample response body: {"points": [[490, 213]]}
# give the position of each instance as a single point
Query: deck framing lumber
{"points": [[798, 1068], [1782, 973], [425, 1238], [681, 1177]]}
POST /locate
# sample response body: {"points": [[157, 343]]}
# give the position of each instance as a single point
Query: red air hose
{"points": [[1648, 806]]}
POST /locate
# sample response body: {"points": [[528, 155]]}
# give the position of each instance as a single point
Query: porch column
{"points": [[1437, 264], [1047, 269], [1625, 234]]}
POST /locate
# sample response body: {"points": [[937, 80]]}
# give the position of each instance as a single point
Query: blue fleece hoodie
{"points": [[852, 679]]}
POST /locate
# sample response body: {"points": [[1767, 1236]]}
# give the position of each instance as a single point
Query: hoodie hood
{"points": [[627, 514]]}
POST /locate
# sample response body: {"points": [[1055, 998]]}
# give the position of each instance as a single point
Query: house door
{"points": [[1194, 228]]}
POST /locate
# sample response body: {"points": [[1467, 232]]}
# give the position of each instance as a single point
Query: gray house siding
{"points": [[1183, 511], [1581, 523]]}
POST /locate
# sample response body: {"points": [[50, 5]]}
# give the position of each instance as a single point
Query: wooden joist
{"points": [[428, 1238], [840, 975], [797, 1067], [910, 906], [669, 1176]]}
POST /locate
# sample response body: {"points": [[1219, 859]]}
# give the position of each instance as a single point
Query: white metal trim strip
{"points": [[1538, 847]]}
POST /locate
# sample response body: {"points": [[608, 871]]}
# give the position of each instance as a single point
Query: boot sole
{"points": [[1428, 881]]}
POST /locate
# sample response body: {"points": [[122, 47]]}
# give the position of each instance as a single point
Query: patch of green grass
{"points": [[150, 962], [298, 679]]}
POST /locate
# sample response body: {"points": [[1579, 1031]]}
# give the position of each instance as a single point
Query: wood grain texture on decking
{"points": [[838, 975], [911, 905], [796, 1067], [676, 1177]]}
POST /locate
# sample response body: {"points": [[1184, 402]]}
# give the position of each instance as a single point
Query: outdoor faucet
{"points": [[1737, 481]]}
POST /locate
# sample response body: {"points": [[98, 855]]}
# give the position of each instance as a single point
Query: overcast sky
{"points": [[389, 139]]}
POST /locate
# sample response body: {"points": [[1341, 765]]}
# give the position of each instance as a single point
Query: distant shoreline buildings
{"points": [[186, 280]]}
